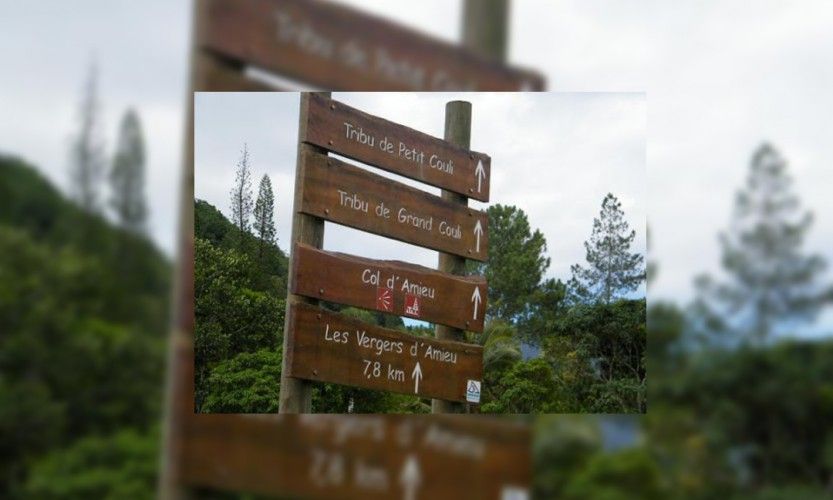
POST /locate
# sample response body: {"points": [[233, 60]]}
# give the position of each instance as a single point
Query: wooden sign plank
{"points": [[393, 287], [339, 48], [354, 197], [331, 347], [396, 148], [365, 457]]}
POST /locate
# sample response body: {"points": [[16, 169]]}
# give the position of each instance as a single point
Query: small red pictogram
{"points": [[412, 305], [384, 299]]}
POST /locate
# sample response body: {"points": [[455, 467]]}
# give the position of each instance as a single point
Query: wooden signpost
{"points": [[362, 457], [390, 286], [347, 131], [323, 346], [337, 48], [315, 456], [339, 192], [331, 347]]}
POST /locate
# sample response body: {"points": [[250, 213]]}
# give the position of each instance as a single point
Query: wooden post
{"points": [[486, 27], [457, 132], [296, 394], [179, 383]]}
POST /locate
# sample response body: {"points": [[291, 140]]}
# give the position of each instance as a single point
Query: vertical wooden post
{"points": [[486, 27], [296, 394], [457, 132], [179, 383], [485, 30]]}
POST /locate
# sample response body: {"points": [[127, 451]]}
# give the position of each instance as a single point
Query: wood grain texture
{"points": [[331, 347], [296, 394], [393, 287], [354, 197], [397, 148], [295, 456], [340, 48]]}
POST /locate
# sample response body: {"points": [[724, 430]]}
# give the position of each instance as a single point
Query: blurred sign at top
{"points": [[338, 48]]}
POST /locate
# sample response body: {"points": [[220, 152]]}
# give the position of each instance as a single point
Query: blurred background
{"points": [[740, 404]]}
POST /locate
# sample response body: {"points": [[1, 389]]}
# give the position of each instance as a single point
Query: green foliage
{"points": [[83, 316], [264, 225], [246, 383], [270, 272], [127, 176], [53, 320], [86, 154], [241, 199], [599, 354], [612, 270], [774, 408], [116, 466], [617, 476], [770, 281], [516, 263], [231, 318], [562, 447], [528, 387]]}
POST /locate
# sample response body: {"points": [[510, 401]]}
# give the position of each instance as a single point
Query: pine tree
{"points": [[127, 177], [265, 214], [612, 269], [517, 263], [87, 160], [770, 280], [241, 195]]}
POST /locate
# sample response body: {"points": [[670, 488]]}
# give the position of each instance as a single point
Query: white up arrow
{"points": [[410, 478], [475, 297], [416, 375], [480, 172], [478, 230]]}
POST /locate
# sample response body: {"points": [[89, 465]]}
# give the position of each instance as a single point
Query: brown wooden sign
{"points": [[331, 347], [340, 48], [397, 148], [365, 457], [354, 197], [390, 286]]}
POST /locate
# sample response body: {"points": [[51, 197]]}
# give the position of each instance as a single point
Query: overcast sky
{"points": [[554, 155], [720, 78]]}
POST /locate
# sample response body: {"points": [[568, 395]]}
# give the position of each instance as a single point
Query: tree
{"points": [[770, 280], [127, 177], [599, 354], [119, 465], [516, 263], [246, 383], [265, 215], [241, 195], [621, 475], [87, 150], [527, 387], [612, 269], [230, 317]]}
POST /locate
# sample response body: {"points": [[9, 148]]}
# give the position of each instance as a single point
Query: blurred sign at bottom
{"points": [[359, 456]]}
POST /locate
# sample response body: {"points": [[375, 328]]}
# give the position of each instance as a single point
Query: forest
{"points": [[590, 332], [738, 409]]}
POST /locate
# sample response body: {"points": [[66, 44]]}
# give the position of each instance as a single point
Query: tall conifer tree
{"points": [[87, 160], [241, 195], [612, 270], [127, 177], [264, 214], [770, 280]]}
